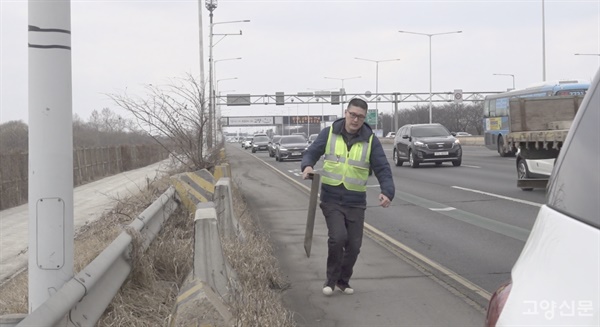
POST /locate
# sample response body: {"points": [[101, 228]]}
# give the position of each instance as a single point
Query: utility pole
{"points": [[50, 150]]}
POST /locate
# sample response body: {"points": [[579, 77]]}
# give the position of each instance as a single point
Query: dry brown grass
{"points": [[148, 296], [258, 302]]}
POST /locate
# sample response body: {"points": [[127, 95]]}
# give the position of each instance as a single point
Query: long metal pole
{"points": [[201, 35], [376, 94], [209, 141], [543, 43], [430, 80], [50, 150], [395, 112]]}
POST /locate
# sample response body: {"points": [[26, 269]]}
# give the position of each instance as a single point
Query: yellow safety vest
{"points": [[341, 166]]}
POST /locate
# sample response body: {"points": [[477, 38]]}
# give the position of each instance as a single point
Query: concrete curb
{"points": [[198, 305], [194, 187], [202, 300]]}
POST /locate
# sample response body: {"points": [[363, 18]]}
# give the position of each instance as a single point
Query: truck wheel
{"points": [[411, 159], [502, 152], [397, 159], [523, 173]]}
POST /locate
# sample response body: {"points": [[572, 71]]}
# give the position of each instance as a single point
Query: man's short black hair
{"points": [[358, 103]]}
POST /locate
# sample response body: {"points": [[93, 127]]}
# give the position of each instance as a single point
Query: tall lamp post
{"points": [[511, 75], [377, 81], [342, 89], [430, 70], [216, 89], [211, 5], [217, 113]]}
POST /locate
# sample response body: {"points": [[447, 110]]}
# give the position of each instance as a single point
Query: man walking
{"points": [[351, 151]]}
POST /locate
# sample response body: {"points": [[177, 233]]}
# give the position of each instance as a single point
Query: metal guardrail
{"points": [[83, 299]]}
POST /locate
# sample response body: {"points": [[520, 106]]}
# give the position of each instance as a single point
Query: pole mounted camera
{"points": [[211, 4]]}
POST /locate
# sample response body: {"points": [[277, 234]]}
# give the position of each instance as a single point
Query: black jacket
{"points": [[378, 161]]}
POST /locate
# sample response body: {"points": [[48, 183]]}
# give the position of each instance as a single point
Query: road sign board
{"points": [[372, 117]]}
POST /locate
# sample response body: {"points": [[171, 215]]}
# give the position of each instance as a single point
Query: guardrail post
{"points": [[209, 262]]}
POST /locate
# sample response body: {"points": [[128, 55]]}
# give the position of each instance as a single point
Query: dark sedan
{"points": [[291, 147], [260, 143]]}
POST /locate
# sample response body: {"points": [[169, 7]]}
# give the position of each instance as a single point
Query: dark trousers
{"points": [[345, 231]]}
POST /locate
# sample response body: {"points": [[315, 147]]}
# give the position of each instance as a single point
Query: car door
{"points": [[403, 142]]}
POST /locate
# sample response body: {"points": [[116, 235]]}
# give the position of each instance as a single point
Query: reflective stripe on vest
{"points": [[341, 166]]}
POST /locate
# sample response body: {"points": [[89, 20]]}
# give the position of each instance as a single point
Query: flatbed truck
{"points": [[538, 128]]}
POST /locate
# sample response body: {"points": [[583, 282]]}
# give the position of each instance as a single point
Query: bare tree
{"points": [[174, 115], [13, 136]]}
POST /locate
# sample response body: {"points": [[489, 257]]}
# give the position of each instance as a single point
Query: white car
{"points": [[556, 280], [247, 143], [533, 168]]}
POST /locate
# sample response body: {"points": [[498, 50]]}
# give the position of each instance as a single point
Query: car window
{"points": [[424, 131], [574, 188], [276, 139], [293, 139], [261, 139]]}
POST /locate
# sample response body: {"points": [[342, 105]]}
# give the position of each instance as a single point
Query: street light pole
{"points": [[430, 66], [511, 75], [543, 43], [377, 82], [214, 96], [342, 89], [211, 5]]}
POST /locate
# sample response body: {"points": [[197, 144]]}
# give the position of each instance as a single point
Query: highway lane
{"points": [[471, 219]]}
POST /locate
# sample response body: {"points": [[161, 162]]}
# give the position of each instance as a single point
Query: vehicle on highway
{"points": [[247, 142], [290, 147], [391, 135], [260, 143], [496, 120], [555, 281], [302, 134], [533, 168], [426, 143], [312, 138], [272, 145], [462, 134]]}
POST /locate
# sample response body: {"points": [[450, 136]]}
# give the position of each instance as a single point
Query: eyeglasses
{"points": [[355, 116]]}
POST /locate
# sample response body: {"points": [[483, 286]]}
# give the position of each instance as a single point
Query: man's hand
{"points": [[384, 201], [307, 170]]}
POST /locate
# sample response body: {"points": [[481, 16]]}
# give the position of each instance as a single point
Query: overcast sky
{"points": [[290, 46]]}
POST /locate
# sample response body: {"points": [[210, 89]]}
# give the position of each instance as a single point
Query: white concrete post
{"points": [[209, 262], [50, 149], [224, 204]]}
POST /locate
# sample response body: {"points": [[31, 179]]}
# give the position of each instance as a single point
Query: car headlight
{"points": [[419, 144], [457, 141]]}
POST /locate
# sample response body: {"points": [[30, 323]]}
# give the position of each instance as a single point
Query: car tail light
{"points": [[496, 304]]}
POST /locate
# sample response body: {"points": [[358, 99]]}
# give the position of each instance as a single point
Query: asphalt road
{"points": [[471, 219]]}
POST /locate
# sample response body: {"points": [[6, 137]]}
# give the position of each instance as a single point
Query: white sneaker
{"points": [[328, 290], [345, 289]]}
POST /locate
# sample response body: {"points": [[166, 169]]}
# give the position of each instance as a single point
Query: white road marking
{"points": [[535, 204], [442, 209], [471, 166]]}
